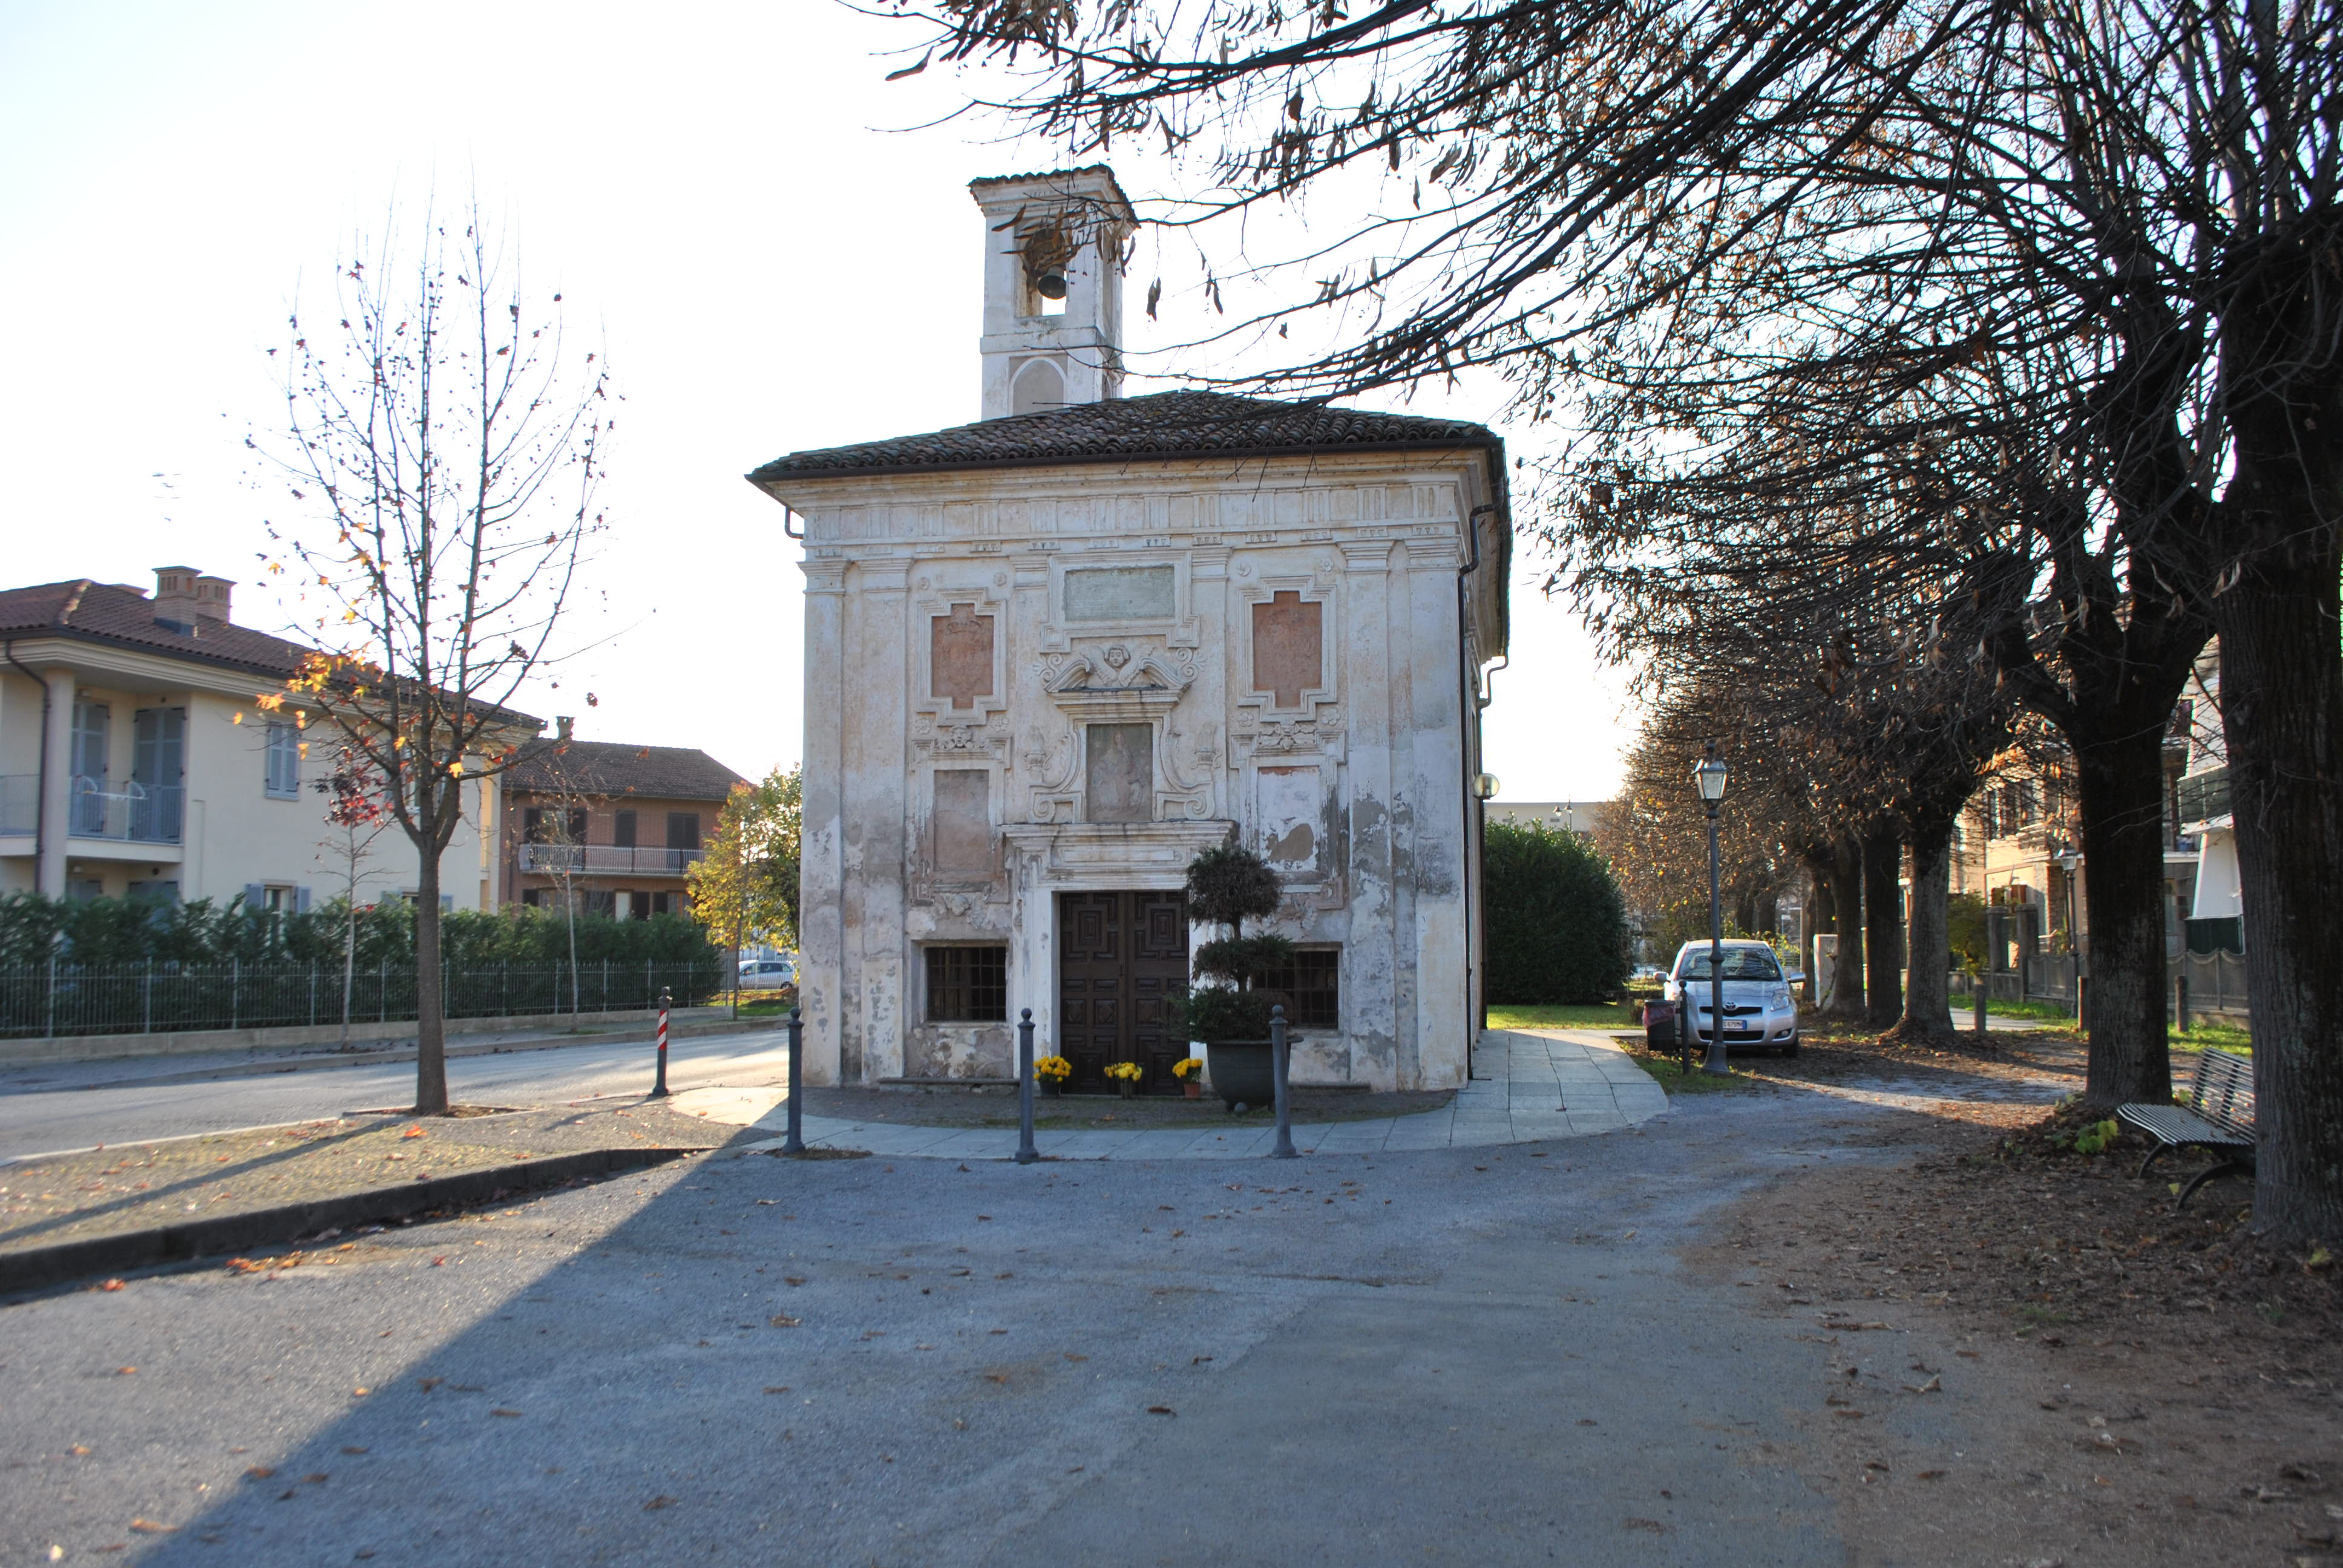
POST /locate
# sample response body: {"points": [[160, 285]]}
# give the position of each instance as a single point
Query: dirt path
{"points": [[2124, 1384]]}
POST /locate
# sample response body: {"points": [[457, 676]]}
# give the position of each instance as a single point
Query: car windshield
{"points": [[1740, 964]]}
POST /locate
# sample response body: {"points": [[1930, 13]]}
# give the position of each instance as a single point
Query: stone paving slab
{"points": [[1529, 1087]]}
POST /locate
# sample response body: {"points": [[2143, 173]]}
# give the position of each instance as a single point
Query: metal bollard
{"points": [[1278, 1064], [1977, 988], [794, 1143], [1026, 1153], [2180, 1004], [658, 1086]]}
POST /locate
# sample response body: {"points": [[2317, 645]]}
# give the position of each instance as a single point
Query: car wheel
{"points": [[1791, 1049]]}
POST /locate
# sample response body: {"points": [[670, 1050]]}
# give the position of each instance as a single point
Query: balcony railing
{"points": [[135, 813], [604, 860], [2204, 796]]}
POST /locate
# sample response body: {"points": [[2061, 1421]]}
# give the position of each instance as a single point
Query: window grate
{"points": [[968, 985], [1312, 984]]}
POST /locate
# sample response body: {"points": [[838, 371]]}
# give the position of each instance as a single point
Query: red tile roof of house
{"points": [[608, 767]]}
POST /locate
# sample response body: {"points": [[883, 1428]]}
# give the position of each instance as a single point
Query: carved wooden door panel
{"points": [[1122, 966], [1091, 1007], [1159, 979]]}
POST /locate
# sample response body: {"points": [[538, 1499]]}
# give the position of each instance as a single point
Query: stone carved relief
{"points": [[1112, 683]]}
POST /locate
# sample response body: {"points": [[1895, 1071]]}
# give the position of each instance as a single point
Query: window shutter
{"points": [[300, 900], [254, 896]]}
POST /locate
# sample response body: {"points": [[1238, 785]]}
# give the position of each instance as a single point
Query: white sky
{"points": [[712, 188]]}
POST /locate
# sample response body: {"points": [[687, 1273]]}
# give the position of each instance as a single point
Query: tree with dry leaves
{"points": [[2143, 193], [442, 462]]}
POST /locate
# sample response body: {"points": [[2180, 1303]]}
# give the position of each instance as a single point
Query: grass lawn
{"points": [[1696, 1082], [1595, 1015]]}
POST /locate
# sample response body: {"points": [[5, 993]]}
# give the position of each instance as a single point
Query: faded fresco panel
{"points": [[1121, 773], [959, 656], [1292, 813], [1119, 593], [1288, 647], [963, 820]]}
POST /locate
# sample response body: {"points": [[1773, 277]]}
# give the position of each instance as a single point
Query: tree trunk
{"points": [[2282, 716], [430, 1019], [1822, 915], [1846, 874], [349, 959], [2122, 809], [1883, 927], [1927, 1001]]}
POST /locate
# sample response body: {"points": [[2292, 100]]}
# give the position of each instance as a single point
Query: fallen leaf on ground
{"points": [[656, 1504], [502, 1410], [1160, 1410], [110, 1285], [123, 1371], [260, 1472], [783, 1321], [412, 1132], [149, 1527]]}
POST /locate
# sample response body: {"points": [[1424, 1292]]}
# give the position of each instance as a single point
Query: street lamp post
{"points": [[1709, 774]]}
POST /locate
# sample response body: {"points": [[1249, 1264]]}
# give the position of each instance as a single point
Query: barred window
{"points": [[968, 985], [1314, 983]]}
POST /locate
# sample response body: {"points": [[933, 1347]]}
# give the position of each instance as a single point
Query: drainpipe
{"points": [[40, 780], [1468, 711]]}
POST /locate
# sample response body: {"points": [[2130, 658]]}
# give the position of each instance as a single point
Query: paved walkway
{"points": [[1527, 1087]]}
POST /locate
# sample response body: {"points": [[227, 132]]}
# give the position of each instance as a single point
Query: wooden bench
{"points": [[2220, 1116]]}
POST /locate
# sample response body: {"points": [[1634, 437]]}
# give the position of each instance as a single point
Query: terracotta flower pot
{"points": [[1195, 1089]]}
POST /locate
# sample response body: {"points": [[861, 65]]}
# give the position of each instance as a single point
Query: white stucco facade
{"points": [[1042, 670]]}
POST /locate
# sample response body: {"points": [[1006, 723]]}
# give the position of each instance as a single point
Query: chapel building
{"points": [[1051, 655]]}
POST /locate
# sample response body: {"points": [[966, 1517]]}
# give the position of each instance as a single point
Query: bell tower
{"points": [[1054, 255]]}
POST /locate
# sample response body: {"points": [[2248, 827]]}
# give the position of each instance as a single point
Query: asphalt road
{"points": [[1485, 1356], [46, 1109]]}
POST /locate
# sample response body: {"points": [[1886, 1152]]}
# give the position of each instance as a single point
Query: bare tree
{"points": [[2148, 188], [443, 463]]}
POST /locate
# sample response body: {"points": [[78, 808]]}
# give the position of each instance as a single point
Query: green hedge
{"points": [[113, 931], [1556, 927]]}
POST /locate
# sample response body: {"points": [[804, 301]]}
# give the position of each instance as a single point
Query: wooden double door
{"points": [[1122, 969]]}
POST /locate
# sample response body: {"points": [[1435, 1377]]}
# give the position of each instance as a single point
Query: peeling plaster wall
{"points": [[1355, 787]]}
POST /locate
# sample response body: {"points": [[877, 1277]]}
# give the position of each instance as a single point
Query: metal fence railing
{"points": [[65, 998], [2216, 981]]}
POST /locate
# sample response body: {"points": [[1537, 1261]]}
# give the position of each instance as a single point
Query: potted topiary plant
{"points": [[1227, 886]]}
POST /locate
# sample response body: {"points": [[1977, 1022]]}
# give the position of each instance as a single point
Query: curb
{"points": [[305, 1058], [36, 1267]]}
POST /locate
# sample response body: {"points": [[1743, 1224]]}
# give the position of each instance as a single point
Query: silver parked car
{"points": [[763, 973], [1759, 1012]]}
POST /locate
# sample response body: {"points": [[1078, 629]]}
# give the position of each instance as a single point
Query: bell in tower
{"points": [[1054, 249]]}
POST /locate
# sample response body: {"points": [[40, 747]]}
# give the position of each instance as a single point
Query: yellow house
{"points": [[135, 760]]}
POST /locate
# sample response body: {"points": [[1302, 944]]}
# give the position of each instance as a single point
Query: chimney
{"points": [[175, 600], [561, 725], [212, 599]]}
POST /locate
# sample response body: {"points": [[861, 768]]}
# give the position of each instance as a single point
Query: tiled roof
{"points": [[114, 616], [94, 611], [601, 767], [1161, 426]]}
